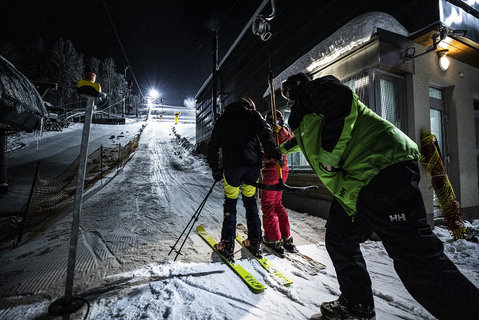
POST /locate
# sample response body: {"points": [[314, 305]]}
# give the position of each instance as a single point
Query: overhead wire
{"points": [[122, 49], [218, 25]]}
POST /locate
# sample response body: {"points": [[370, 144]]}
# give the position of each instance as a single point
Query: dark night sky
{"points": [[168, 43]]}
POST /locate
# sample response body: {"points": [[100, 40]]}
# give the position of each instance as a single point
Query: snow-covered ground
{"points": [[54, 151], [127, 228]]}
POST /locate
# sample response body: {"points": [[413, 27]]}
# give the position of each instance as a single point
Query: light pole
{"points": [[125, 71]]}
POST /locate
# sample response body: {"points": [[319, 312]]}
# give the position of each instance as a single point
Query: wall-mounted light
{"points": [[437, 37], [443, 59]]}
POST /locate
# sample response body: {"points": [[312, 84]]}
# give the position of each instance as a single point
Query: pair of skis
{"points": [[298, 259], [253, 284]]}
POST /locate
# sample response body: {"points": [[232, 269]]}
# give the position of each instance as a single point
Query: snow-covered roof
{"points": [[20, 103], [352, 34]]}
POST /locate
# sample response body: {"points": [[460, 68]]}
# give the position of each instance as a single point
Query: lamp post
{"points": [[153, 94], [125, 71]]}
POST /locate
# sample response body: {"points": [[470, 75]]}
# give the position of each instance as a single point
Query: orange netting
{"points": [[448, 203], [50, 197]]}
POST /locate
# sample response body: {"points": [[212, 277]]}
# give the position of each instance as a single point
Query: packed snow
{"points": [[127, 227]]}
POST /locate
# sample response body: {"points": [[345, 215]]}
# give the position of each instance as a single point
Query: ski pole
{"points": [[273, 111], [193, 219], [280, 186]]}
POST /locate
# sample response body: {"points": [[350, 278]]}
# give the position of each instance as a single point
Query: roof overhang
{"points": [[459, 48], [462, 21]]}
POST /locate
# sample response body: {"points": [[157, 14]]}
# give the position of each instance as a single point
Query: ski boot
{"points": [[344, 310], [254, 246], [226, 248], [289, 245], [276, 246]]}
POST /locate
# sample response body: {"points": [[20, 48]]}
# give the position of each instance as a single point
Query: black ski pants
{"points": [[232, 182], [391, 205]]}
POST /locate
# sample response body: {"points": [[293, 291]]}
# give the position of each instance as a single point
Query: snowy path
{"points": [[124, 270]]}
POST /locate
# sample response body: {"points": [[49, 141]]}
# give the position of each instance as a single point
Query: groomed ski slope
{"points": [[127, 229]]}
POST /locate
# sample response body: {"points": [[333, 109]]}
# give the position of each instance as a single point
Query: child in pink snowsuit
{"points": [[275, 218]]}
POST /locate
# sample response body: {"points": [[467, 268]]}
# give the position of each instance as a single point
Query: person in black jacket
{"points": [[239, 132]]}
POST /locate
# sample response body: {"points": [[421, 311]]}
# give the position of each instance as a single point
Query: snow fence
{"points": [[49, 198], [450, 207]]}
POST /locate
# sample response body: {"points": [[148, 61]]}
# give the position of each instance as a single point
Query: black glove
{"points": [[278, 157], [218, 175]]}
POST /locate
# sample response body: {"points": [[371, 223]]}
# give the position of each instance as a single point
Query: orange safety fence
{"points": [[50, 197], [450, 207]]}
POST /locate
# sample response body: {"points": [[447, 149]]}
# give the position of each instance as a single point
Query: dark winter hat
{"points": [[292, 87], [279, 117]]}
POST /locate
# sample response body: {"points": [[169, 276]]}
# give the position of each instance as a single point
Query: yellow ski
{"points": [[250, 281], [268, 266]]}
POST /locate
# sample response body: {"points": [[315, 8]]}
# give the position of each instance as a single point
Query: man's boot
{"points": [[254, 246], [344, 309], [226, 247]]}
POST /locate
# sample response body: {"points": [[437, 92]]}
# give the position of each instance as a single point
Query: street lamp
{"points": [[125, 71], [154, 93]]}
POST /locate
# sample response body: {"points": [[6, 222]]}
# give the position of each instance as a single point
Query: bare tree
{"points": [[93, 64], [66, 69], [113, 83]]}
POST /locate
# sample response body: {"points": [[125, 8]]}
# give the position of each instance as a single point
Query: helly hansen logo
{"points": [[342, 192], [397, 217]]}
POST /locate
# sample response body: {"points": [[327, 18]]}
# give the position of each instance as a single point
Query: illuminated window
{"points": [[437, 118], [388, 101], [436, 114], [435, 93]]}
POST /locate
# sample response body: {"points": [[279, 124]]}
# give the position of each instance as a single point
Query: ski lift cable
{"points": [[121, 46], [122, 100], [71, 103]]}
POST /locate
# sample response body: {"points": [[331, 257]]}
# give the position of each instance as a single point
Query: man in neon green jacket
{"points": [[371, 168]]}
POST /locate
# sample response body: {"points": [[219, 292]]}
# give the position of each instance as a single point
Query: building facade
{"points": [[390, 57]]}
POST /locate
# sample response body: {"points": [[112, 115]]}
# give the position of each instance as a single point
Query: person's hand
{"points": [[218, 175], [278, 157], [277, 128], [331, 168]]}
